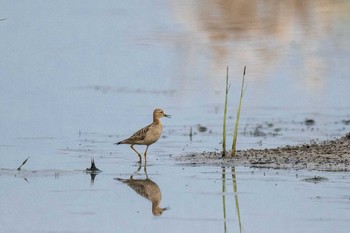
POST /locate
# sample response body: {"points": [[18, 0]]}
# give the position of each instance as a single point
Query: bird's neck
{"points": [[155, 207], [156, 121]]}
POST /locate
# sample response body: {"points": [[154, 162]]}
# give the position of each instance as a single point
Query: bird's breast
{"points": [[153, 134]]}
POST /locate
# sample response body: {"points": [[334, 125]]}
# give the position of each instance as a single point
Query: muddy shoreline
{"points": [[332, 155]]}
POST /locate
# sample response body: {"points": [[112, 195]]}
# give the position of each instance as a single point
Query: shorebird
{"points": [[147, 135]]}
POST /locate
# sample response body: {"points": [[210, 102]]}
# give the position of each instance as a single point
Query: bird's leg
{"points": [[132, 147], [145, 170], [135, 173], [146, 152]]}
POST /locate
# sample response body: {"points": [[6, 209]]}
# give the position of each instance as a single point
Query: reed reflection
{"points": [[147, 189], [224, 190]]}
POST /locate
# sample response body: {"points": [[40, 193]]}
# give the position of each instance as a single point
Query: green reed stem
{"points": [[225, 112], [235, 133]]}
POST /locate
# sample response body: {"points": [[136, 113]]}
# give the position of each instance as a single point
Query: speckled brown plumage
{"points": [[147, 135]]}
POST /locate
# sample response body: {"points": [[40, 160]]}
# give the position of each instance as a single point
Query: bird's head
{"points": [[159, 113]]}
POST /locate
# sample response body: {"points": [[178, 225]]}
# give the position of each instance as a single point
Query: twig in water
{"points": [[191, 134], [93, 167], [93, 171], [24, 162]]}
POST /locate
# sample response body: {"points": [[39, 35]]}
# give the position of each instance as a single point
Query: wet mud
{"points": [[332, 155]]}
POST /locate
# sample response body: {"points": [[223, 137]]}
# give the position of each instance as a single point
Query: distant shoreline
{"points": [[331, 155]]}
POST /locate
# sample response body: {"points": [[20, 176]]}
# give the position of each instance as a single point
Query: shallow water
{"points": [[269, 200], [77, 76]]}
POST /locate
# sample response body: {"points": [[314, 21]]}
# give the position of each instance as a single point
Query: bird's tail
{"points": [[117, 143]]}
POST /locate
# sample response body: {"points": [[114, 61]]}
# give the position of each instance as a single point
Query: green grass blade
{"points": [[235, 133], [224, 123]]}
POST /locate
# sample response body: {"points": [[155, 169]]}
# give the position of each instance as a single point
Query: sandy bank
{"points": [[333, 155]]}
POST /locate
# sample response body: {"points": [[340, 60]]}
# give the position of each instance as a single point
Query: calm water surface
{"points": [[77, 76]]}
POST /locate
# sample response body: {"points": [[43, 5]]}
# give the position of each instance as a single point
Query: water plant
{"points": [[235, 131], [225, 112]]}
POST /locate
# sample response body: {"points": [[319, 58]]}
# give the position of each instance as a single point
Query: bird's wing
{"points": [[140, 188], [139, 135]]}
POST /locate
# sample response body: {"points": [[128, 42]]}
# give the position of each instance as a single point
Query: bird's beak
{"points": [[168, 116]]}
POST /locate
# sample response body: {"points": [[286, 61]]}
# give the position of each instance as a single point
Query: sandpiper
{"points": [[147, 135]]}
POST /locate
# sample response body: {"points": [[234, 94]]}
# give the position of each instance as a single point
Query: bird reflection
{"points": [[146, 188]]}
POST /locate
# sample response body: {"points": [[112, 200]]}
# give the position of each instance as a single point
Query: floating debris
{"points": [[93, 171], [309, 122], [258, 131], [202, 129], [191, 134], [315, 179], [346, 122], [93, 168]]}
